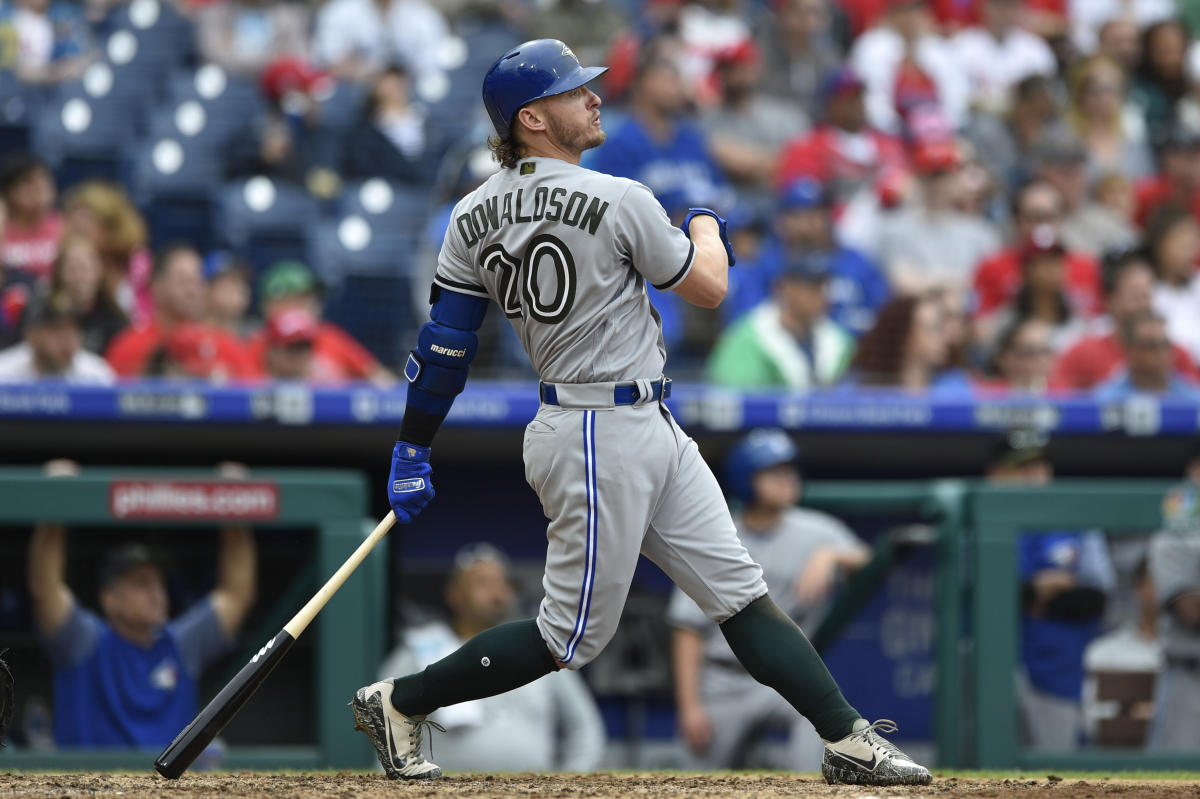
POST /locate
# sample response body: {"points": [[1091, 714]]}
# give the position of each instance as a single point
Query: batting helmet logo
{"points": [[528, 72]]}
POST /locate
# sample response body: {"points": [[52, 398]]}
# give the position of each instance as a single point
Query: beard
{"points": [[575, 139]]}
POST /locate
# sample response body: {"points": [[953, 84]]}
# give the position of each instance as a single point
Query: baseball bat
{"points": [[192, 740]]}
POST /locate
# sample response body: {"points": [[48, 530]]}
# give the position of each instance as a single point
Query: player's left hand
{"points": [[721, 225], [410, 487]]}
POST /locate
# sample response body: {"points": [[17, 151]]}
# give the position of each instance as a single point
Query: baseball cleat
{"points": [[864, 757], [396, 737]]}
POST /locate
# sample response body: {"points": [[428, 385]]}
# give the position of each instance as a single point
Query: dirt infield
{"points": [[602, 786]]}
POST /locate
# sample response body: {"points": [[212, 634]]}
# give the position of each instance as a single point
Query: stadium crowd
{"points": [[956, 197]]}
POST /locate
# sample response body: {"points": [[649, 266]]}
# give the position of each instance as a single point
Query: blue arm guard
{"points": [[437, 369]]}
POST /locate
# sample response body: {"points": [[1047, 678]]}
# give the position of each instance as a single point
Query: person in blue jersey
{"points": [[660, 146], [802, 224], [127, 677], [1066, 579]]}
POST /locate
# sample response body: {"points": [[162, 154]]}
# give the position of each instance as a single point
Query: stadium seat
{"points": [[376, 310], [20, 104], [353, 245], [172, 180], [397, 210], [194, 124], [343, 107], [82, 138], [211, 84], [168, 36], [264, 221]]}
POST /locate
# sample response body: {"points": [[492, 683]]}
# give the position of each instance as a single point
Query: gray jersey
{"points": [[783, 552], [1175, 569], [565, 253]]}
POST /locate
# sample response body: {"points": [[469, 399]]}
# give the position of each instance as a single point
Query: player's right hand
{"points": [[410, 487], [696, 728]]}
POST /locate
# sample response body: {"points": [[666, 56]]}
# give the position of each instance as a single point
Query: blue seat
{"points": [[168, 36], [352, 245], [193, 125], [391, 208], [20, 104], [343, 107], [377, 310], [263, 220], [82, 139], [228, 102], [173, 181]]}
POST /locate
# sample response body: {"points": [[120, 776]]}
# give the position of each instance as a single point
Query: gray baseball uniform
{"points": [[743, 705], [1175, 568], [566, 253]]}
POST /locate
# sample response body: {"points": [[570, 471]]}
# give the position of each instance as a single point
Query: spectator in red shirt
{"points": [[290, 284], [291, 335], [1042, 295], [1178, 178], [1129, 291], [843, 153], [179, 304], [998, 277], [30, 240]]}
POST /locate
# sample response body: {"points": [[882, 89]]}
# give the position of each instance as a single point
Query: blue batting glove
{"points": [[409, 485], [721, 224]]}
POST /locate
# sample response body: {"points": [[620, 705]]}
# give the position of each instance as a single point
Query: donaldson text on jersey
{"points": [[551, 204]]}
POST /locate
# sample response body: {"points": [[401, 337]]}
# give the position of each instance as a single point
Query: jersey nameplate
{"points": [[553, 205]]}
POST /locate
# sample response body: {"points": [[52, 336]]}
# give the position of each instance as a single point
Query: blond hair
{"points": [[124, 229]]}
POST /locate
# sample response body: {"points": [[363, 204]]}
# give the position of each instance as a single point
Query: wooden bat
{"points": [[187, 746]]}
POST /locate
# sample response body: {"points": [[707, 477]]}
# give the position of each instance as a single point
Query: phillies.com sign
{"points": [[192, 499]]}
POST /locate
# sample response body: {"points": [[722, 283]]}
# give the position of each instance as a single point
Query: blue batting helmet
{"points": [[760, 449], [536, 69]]}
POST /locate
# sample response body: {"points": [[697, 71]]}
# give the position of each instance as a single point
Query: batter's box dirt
{"points": [[348, 785]]}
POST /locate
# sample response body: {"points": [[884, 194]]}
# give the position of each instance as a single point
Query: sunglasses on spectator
{"points": [[1152, 343], [1032, 351]]}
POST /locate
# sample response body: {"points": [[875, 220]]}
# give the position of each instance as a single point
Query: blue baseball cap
{"points": [[802, 193], [810, 267], [841, 81]]}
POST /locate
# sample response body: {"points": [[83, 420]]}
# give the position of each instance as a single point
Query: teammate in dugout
{"points": [[723, 712], [566, 253], [129, 678]]}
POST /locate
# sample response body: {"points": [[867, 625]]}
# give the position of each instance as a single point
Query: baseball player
{"points": [[722, 710], [1175, 569], [566, 254]]}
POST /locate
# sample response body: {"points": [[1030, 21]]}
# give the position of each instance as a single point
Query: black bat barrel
{"points": [[195, 737]]}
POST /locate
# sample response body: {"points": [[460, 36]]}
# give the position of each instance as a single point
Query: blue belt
{"points": [[623, 394]]}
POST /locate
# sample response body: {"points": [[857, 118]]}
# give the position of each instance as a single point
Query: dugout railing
{"points": [[348, 635], [939, 504], [997, 516]]}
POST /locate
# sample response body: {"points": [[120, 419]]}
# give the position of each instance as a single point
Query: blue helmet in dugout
{"points": [[528, 72], [760, 449]]}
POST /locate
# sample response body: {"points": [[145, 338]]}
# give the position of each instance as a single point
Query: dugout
{"points": [[319, 515]]}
